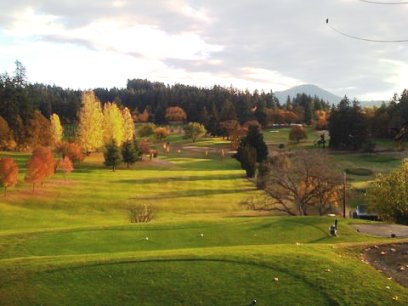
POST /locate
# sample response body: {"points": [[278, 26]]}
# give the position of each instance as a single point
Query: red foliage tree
{"points": [[66, 165], [71, 150], [8, 173], [40, 166]]}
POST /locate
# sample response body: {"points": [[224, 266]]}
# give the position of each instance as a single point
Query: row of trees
{"points": [[154, 102], [351, 127], [41, 165], [98, 127]]}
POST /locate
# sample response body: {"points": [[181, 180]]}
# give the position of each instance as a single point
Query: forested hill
{"points": [[205, 105]]}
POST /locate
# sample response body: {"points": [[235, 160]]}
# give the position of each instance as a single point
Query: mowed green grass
{"points": [[70, 242], [175, 185], [277, 260]]}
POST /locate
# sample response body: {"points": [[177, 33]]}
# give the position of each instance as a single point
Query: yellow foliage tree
{"points": [[56, 129], [113, 124], [128, 125], [90, 128]]}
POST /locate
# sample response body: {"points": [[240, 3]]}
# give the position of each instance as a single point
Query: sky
{"points": [[249, 44]]}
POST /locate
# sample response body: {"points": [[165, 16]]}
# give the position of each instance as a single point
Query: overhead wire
{"points": [[365, 39], [384, 3], [368, 39]]}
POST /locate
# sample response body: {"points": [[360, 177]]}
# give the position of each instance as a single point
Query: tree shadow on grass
{"points": [[191, 193], [180, 179]]}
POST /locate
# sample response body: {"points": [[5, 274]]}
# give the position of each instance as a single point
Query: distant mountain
{"points": [[311, 90]]}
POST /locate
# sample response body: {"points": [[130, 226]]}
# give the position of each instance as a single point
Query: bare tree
{"points": [[296, 183]]}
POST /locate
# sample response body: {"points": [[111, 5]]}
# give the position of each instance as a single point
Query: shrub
{"points": [[142, 213]]}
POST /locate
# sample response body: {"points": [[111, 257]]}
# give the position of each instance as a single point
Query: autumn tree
{"points": [[144, 146], [39, 130], [71, 150], [56, 129], [113, 124], [128, 125], [321, 120], [66, 165], [90, 127], [228, 127], [130, 153], [194, 130], [8, 173], [40, 166], [6, 136], [20, 134], [112, 155], [161, 133], [297, 133], [388, 195], [143, 117], [175, 113], [300, 182], [147, 130]]}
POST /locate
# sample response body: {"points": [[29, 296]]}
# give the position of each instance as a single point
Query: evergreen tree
{"points": [[348, 126], [112, 155], [252, 149], [130, 153]]}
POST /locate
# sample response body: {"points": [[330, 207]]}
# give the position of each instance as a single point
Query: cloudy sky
{"points": [[254, 44]]}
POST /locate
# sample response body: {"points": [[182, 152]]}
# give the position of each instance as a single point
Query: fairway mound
{"points": [[383, 230], [390, 259]]}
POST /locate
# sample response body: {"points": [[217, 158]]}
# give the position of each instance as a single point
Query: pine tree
{"points": [[112, 155], [130, 153], [252, 149]]}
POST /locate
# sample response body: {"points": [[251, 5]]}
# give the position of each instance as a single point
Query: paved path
{"points": [[382, 230]]}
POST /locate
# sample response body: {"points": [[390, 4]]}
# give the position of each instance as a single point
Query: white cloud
{"points": [[245, 43]]}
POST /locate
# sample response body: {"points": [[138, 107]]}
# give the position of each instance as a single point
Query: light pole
{"points": [[344, 193]]}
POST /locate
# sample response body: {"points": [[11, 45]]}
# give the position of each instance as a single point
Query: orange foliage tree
{"points": [[40, 166], [71, 150], [321, 122], [161, 133], [66, 165], [297, 133], [143, 117], [8, 173], [175, 113]]}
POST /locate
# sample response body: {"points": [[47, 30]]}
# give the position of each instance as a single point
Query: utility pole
{"points": [[344, 193]]}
